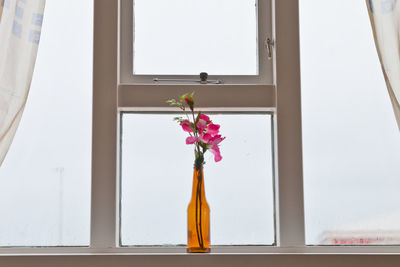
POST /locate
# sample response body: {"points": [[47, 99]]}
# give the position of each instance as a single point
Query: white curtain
{"points": [[385, 21], [20, 28]]}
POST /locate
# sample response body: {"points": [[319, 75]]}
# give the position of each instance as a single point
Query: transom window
{"points": [[179, 39]]}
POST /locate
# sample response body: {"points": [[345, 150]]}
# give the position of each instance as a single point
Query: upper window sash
{"points": [[265, 64]]}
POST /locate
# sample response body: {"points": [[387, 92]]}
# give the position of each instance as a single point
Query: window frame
{"points": [[282, 98], [265, 64], [148, 96], [270, 115], [109, 96]]}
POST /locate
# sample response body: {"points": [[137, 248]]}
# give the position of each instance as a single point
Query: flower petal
{"points": [[217, 154], [205, 138], [217, 157], [201, 125], [213, 129], [204, 117], [186, 127], [215, 140], [191, 140]]}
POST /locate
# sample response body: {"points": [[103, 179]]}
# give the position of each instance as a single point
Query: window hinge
{"points": [[269, 44]]}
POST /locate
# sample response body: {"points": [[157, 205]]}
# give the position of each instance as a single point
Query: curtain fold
{"points": [[385, 21], [20, 28]]}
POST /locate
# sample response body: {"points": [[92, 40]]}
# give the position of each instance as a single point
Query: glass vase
{"points": [[198, 216]]}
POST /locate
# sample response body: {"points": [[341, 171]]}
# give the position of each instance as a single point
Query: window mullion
{"points": [[103, 206], [290, 201]]}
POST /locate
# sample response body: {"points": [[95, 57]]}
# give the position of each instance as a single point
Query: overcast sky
{"points": [[351, 143]]}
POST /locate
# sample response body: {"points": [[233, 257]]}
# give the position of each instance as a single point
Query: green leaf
{"points": [[198, 117], [172, 102], [179, 119], [182, 98]]}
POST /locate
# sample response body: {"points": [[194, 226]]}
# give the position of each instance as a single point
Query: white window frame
{"points": [[110, 96], [265, 64]]}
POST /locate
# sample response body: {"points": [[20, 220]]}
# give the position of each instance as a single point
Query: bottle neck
{"points": [[198, 183]]}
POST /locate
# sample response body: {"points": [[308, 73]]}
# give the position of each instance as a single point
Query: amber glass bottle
{"points": [[198, 215]]}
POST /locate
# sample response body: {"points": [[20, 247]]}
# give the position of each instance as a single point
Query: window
{"points": [[45, 178], [156, 181], [116, 92], [189, 37], [250, 101], [180, 39], [351, 139]]}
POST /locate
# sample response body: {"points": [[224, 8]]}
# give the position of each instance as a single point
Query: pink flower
{"points": [[191, 140], [186, 126], [203, 133], [202, 123], [214, 142], [204, 117], [217, 154], [212, 129], [205, 138]]}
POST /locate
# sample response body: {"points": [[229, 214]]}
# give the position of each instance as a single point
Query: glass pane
{"points": [[189, 36], [351, 140], [45, 178], [157, 173]]}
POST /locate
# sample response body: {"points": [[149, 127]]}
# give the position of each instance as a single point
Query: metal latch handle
{"points": [[203, 80], [269, 43]]}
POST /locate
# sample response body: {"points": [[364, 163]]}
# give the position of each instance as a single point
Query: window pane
{"points": [[188, 37], [157, 173], [351, 140], [45, 178]]}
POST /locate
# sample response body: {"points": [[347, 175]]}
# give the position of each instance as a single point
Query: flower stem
{"points": [[201, 227], [198, 212]]}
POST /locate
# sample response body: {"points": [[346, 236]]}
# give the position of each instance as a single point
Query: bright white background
{"points": [[157, 175], [351, 140], [188, 37], [45, 178]]}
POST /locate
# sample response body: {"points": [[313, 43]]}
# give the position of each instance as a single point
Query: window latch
{"points": [[269, 44], [203, 80]]}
